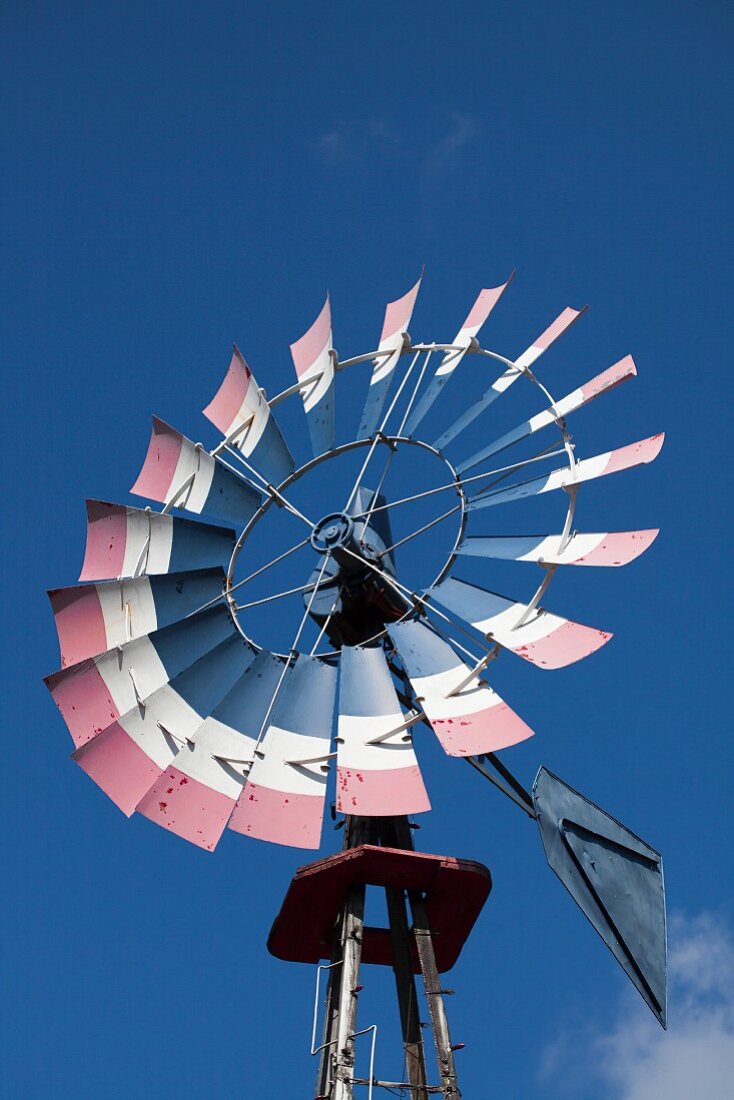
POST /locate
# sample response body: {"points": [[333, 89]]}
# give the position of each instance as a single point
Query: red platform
{"points": [[455, 891]]}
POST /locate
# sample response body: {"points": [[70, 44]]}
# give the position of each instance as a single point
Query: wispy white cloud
{"points": [[439, 151], [634, 1060], [450, 143]]}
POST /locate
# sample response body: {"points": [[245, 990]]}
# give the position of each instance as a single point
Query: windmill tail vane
{"points": [[180, 713]]}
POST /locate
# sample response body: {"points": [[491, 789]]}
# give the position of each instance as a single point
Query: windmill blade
{"points": [[182, 474], [394, 331], [283, 800], [561, 324], [127, 542], [577, 399], [614, 877], [374, 777], [92, 618], [127, 758], [312, 358], [240, 403], [97, 691], [196, 794], [466, 335], [545, 640], [469, 721], [608, 548], [611, 462]]}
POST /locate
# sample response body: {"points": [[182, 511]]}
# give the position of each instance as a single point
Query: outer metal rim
{"points": [[408, 348]]}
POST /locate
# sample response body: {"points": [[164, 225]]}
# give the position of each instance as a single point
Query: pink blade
{"points": [[587, 469], [222, 410], [280, 817], [619, 548], [486, 730], [312, 358], [119, 766], [399, 313], [607, 548], [565, 645], [85, 701], [478, 314], [79, 622], [561, 324], [483, 306], [106, 539], [308, 349], [164, 450], [187, 807], [381, 793], [538, 636]]}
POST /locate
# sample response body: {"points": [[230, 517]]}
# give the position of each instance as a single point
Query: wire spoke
{"points": [[403, 422], [327, 620], [421, 530], [539, 457], [547, 452], [379, 432], [263, 486], [275, 596], [270, 564]]}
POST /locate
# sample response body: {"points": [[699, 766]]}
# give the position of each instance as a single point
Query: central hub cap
{"points": [[333, 531]]}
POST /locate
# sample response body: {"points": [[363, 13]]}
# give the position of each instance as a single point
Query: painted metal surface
{"points": [[455, 890], [283, 800], [181, 474], [313, 359], [607, 548], [610, 462], [544, 639], [472, 720], [217, 758], [614, 877], [468, 332], [127, 758], [561, 324], [240, 404], [374, 777], [92, 618], [603, 383], [394, 330], [125, 542], [99, 690]]}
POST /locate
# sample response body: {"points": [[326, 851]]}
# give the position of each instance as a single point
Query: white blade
{"points": [[479, 313], [466, 715], [561, 324], [611, 462], [605, 548], [377, 772], [544, 639], [577, 399]]}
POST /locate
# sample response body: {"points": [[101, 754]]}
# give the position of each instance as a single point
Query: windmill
{"points": [[180, 712]]}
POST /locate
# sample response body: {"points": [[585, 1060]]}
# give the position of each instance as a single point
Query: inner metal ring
{"points": [[391, 441]]}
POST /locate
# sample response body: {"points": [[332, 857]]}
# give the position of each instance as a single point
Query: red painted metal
{"points": [[455, 891]]}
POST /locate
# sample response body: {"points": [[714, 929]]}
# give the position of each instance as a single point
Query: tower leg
{"points": [[415, 1061], [336, 1066], [396, 832], [434, 996]]}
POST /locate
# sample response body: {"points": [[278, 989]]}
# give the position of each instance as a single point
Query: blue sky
{"points": [[181, 176]]}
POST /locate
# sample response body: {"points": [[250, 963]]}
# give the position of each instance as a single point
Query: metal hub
{"points": [[334, 530]]}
